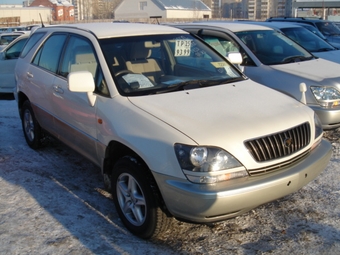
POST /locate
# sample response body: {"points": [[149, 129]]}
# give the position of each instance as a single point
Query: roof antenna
{"points": [[42, 23]]}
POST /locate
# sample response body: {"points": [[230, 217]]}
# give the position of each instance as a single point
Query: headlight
{"points": [[206, 164], [326, 96]]}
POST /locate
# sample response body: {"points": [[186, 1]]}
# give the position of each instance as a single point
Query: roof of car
{"points": [[232, 26], [274, 24], [114, 29], [279, 24], [19, 33], [297, 19]]}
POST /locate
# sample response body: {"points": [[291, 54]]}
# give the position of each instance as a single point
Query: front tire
{"points": [[32, 130], [136, 200]]}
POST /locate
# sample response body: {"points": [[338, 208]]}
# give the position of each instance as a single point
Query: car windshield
{"points": [[273, 48], [307, 39], [328, 28], [313, 29], [164, 63]]}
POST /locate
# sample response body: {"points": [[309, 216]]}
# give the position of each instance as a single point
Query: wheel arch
{"points": [[115, 151], [21, 98]]}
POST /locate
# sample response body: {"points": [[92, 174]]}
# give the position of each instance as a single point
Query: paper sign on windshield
{"points": [[219, 64], [182, 48]]}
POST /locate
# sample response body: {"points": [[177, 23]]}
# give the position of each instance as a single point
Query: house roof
{"points": [[61, 2], [181, 5]]}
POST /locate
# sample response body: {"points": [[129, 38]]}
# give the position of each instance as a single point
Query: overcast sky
{"points": [[11, 1]]}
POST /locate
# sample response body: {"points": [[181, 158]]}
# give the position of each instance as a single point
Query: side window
{"points": [[49, 54], [222, 45], [80, 56], [225, 44], [33, 39], [14, 51]]}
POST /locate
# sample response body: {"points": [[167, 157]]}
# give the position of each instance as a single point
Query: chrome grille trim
{"points": [[280, 144], [264, 170]]}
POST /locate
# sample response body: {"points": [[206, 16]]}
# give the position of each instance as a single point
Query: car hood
{"points": [[226, 115], [310, 70], [333, 55]]}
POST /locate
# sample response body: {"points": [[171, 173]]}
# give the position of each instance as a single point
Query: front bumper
{"points": [[211, 203], [330, 117]]}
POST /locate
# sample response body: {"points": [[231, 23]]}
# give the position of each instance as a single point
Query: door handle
{"points": [[29, 75], [58, 89]]}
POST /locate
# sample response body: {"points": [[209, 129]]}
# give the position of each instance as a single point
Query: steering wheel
{"points": [[122, 72]]}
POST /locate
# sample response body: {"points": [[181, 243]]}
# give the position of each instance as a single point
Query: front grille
{"points": [[281, 144], [281, 165]]}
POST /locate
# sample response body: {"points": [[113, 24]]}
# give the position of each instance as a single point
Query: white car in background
{"points": [[7, 38], [273, 59], [8, 59]]}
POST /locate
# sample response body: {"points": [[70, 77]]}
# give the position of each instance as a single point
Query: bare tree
{"points": [[103, 9], [87, 9]]}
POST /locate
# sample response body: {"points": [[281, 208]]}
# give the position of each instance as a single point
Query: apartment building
{"points": [[250, 9], [263, 9]]}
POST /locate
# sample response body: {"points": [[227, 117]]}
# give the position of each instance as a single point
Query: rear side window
{"points": [[49, 53], [34, 38]]}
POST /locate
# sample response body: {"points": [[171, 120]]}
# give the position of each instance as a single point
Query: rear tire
{"points": [[32, 130], [137, 200]]}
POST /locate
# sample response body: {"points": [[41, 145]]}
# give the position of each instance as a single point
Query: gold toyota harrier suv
{"points": [[176, 129]]}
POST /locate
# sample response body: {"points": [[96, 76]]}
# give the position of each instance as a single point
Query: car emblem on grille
{"points": [[287, 142]]}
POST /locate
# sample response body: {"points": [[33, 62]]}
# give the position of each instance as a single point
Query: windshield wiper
{"points": [[295, 59], [324, 49], [193, 84]]}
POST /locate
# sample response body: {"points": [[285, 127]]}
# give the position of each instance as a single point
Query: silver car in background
{"points": [[274, 60]]}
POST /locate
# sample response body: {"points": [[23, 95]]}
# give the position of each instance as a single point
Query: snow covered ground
{"points": [[50, 203]]}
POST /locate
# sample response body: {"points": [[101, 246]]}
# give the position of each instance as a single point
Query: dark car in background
{"points": [[306, 39], [326, 27]]}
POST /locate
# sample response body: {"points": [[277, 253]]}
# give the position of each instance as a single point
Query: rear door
{"points": [[40, 76]]}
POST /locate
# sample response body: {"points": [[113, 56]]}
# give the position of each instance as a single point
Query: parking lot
{"points": [[51, 203]]}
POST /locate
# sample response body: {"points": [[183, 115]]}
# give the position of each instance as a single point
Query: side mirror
{"points": [[235, 58], [82, 81], [2, 55], [303, 89]]}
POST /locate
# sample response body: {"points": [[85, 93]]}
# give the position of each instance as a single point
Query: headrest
{"points": [[139, 51], [84, 54], [142, 50]]}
